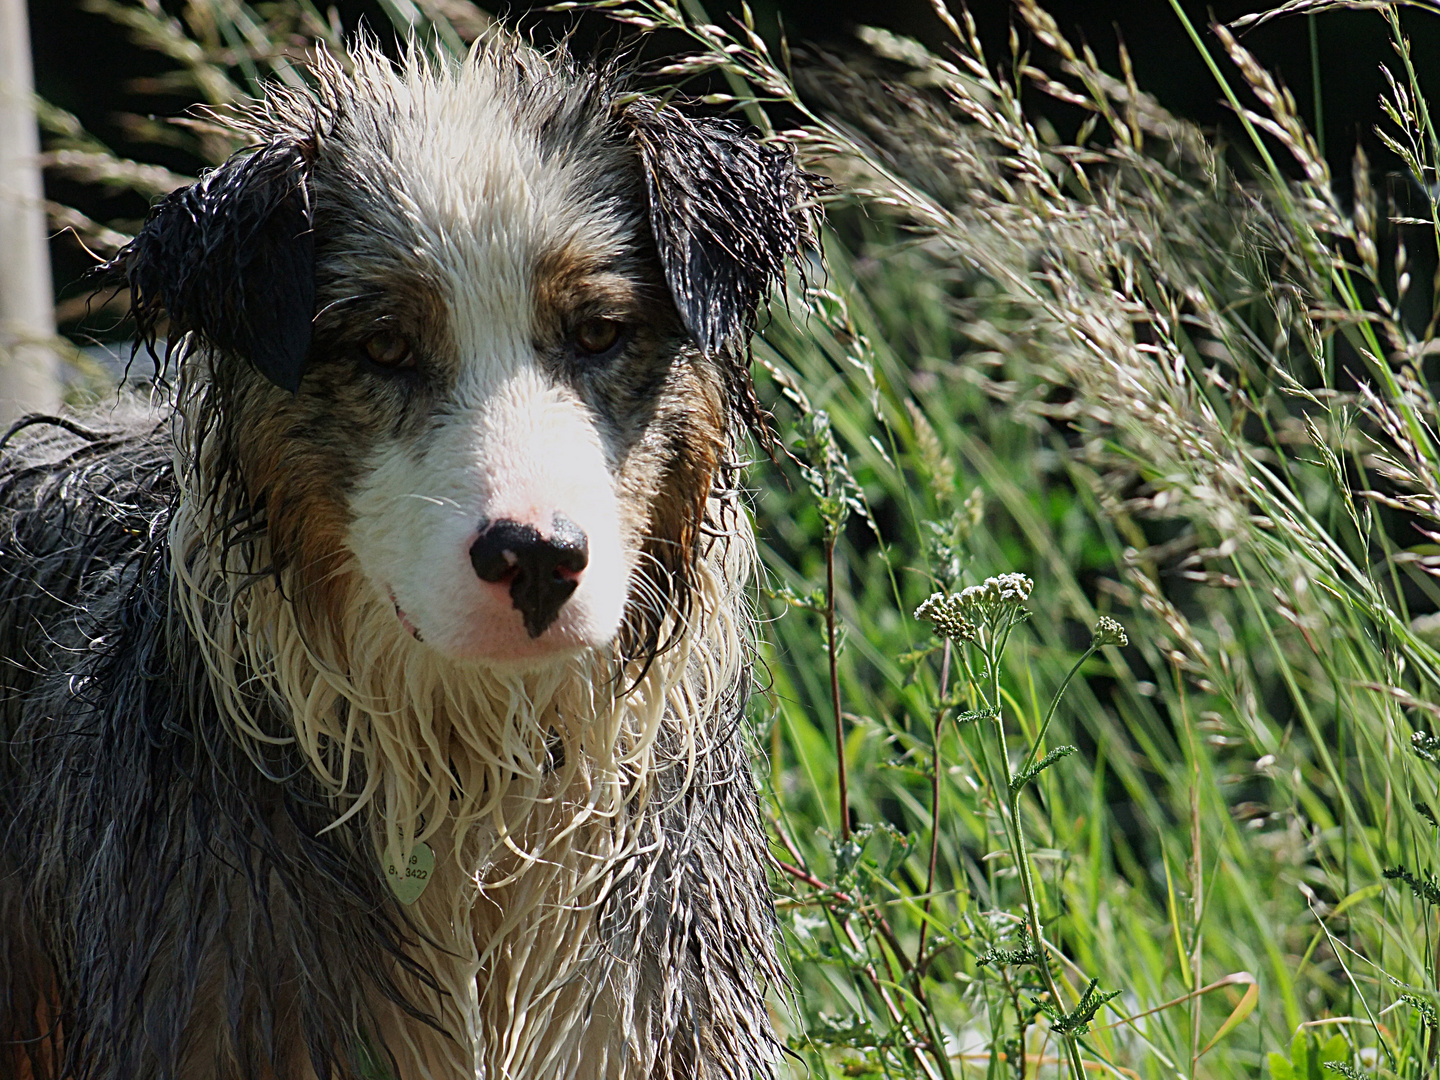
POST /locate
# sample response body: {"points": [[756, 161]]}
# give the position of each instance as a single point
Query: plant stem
{"points": [[934, 806], [1020, 852], [875, 918], [1197, 870], [1197, 908], [1050, 715], [835, 688], [1032, 910]]}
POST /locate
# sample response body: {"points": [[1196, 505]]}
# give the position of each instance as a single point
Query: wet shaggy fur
{"points": [[218, 722]]}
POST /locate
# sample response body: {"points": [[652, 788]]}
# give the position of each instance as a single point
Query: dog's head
{"points": [[471, 342]]}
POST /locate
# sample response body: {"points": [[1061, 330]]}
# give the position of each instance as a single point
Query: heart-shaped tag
{"points": [[409, 881]]}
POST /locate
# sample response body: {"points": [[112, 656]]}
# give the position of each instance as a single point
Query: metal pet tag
{"points": [[408, 882]]}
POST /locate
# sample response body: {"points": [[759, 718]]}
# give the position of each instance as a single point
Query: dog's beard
{"points": [[537, 791]]}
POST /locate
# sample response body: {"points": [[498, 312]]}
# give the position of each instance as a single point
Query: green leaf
{"points": [[1244, 1008], [1025, 953], [979, 714], [1300, 1056], [1335, 1048], [1356, 897], [1310, 1058], [1078, 1020], [1023, 778], [1424, 885]]}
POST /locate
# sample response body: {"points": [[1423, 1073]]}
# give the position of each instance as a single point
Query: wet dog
{"points": [[375, 708]]}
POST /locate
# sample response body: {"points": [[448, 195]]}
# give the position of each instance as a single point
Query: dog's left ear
{"points": [[727, 211], [232, 259]]}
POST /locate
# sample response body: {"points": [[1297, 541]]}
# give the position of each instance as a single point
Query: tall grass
{"points": [[1192, 399], [1185, 389]]}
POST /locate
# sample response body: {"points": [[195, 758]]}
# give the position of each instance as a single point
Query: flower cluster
{"points": [[993, 591], [948, 617], [959, 617], [1108, 632]]}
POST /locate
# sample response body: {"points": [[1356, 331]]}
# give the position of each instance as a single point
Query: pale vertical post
{"points": [[28, 378]]}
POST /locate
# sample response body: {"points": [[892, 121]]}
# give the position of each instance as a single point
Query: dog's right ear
{"points": [[232, 259]]}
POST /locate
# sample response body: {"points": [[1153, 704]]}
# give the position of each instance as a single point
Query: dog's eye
{"points": [[391, 350], [596, 336]]}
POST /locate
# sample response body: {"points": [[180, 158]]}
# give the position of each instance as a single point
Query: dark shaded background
{"points": [[84, 63]]}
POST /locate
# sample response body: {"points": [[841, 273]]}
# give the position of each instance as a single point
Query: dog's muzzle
{"points": [[542, 571]]}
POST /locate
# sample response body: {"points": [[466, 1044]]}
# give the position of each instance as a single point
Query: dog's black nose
{"points": [[542, 571]]}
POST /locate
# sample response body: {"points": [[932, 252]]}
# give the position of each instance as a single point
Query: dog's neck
{"points": [[540, 794]]}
